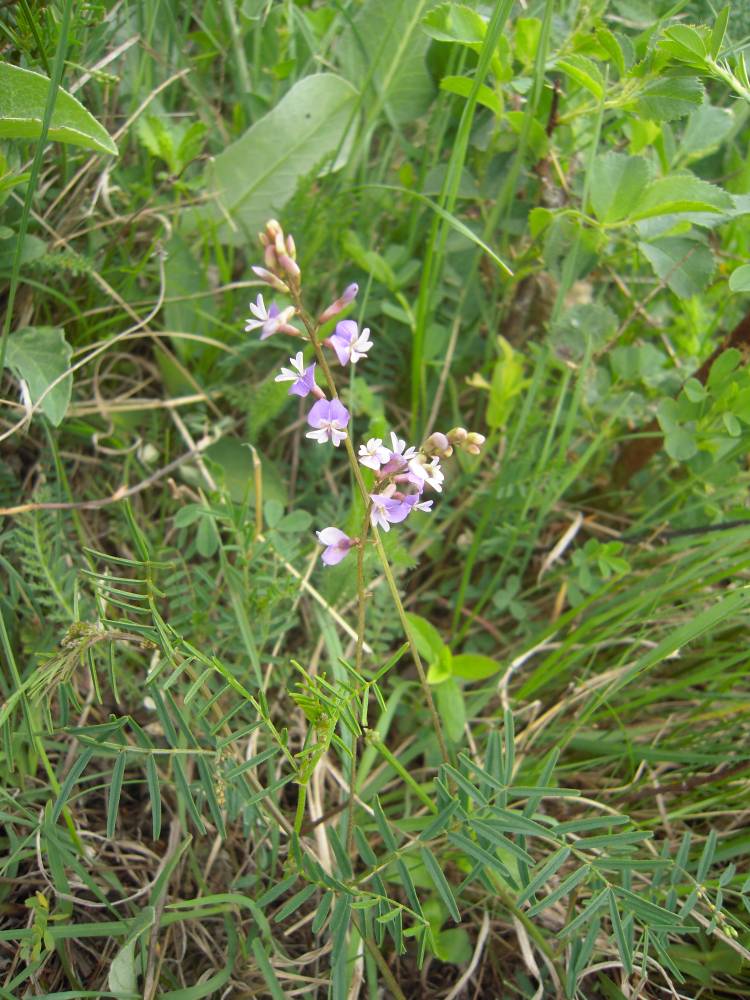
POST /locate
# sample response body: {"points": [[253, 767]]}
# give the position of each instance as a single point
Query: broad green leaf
{"points": [[585, 72], [739, 279], [474, 666], [680, 444], [451, 708], [723, 368], [454, 22], [40, 355], [668, 98], [685, 43], [686, 265], [528, 33], [123, 974], [23, 98], [383, 53], [681, 193], [253, 178], [33, 248], [617, 183], [706, 128], [426, 637]]}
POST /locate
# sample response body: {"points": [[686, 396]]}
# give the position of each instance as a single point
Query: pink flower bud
{"points": [[289, 266], [348, 295], [291, 247], [270, 279], [269, 258]]}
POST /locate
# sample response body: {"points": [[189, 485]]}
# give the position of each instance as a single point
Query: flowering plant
{"points": [[404, 476]]}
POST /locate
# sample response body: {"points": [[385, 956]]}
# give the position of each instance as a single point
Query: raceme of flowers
{"points": [[402, 474]]}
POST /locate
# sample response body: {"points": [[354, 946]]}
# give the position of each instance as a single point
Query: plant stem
{"points": [[312, 330]]}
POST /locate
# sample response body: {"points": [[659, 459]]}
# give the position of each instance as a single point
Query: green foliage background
{"points": [[546, 208]]}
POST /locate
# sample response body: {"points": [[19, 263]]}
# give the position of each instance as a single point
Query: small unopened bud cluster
{"points": [[401, 473], [281, 270]]}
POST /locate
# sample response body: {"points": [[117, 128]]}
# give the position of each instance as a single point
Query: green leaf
{"points": [[454, 22], [426, 636], [463, 86], [705, 129], [585, 72], [440, 882], [507, 383], [617, 184], [40, 355], [668, 98], [681, 193], [113, 793], [254, 177], [451, 708], [686, 44], [686, 265], [474, 666], [384, 52], [739, 279], [718, 32], [23, 97], [123, 974], [680, 444], [723, 368]]}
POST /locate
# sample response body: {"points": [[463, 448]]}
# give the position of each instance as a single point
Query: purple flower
{"points": [[329, 420], [373, 454], [269, 320], [348, 343], [348, 295], [337, 545], [303, 379]]}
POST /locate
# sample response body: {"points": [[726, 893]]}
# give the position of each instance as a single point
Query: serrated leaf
{"points": [[681, 193], [668, 98], [40, 355], [253, 178], [617, 183], [23, 98], [686, 265], [706, 128], [585, 72]]}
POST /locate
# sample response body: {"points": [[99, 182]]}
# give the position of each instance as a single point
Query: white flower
{"points": [[429, 472], [373, 454]]}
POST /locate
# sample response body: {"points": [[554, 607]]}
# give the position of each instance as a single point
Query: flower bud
{"points": [[289, 265], [269, 257], [458, 435], [273, 228], [291, 247], [348, 295], [270, 279], [474, 442], [437, 444]]}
